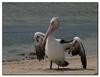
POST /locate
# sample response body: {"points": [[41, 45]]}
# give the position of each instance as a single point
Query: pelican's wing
{"points": [[66, 44], [40, 52], [83, 57], [39, 46], [76, 47]]}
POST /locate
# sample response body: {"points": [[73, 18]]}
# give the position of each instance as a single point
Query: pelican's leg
{"points": [[50, 64], [58, 66]]}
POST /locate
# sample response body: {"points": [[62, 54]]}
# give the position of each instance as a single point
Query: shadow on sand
{"points": [[69, 69]]}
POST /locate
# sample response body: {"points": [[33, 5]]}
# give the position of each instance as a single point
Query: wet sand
{"points": [[36, 67]]}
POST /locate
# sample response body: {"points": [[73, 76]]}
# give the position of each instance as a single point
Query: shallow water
{"points": [[22, 20]]}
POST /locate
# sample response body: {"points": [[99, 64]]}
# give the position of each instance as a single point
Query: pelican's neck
{"points": [[51, 36]]}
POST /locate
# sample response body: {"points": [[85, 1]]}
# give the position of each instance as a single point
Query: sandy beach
{"points": [[36, 67]]}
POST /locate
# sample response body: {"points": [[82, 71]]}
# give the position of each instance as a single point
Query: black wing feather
{"points": [[83, 57]]}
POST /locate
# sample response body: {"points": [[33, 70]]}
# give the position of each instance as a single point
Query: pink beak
{"points": [[50, 28]]}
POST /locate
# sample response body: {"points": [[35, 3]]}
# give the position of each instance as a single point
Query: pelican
{"points": [[55, 48]]}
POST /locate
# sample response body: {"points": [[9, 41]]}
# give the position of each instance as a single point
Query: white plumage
{"points": [[54, 50]]}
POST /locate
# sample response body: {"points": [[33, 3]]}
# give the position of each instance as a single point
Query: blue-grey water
{"points": [[22, 20]]}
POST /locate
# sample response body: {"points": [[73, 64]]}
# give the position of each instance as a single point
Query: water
{"points": [[22, 20]]}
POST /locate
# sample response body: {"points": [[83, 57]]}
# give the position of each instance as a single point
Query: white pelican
{"points": [[55, 48]]}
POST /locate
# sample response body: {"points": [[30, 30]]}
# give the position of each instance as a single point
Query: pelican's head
{"points": [[54, 24]]}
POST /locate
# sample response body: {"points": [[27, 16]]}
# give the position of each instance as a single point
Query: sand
{"points": [[36, 67]]}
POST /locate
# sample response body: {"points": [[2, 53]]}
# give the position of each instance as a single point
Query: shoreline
{"points": [[17, 60], [34, 67]]}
